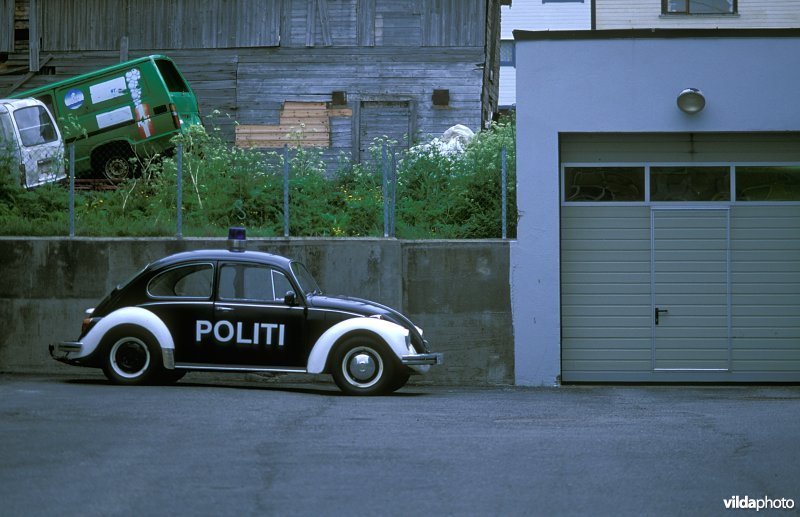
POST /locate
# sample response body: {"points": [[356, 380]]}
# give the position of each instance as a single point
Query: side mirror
{"points": [[290, 298]]}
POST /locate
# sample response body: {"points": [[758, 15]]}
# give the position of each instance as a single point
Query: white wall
{"points": [[621, 85], [536, 15], [627, 14]]}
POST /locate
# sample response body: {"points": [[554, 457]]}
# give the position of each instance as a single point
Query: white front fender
{"points": [[126, 316], [393, 334]]}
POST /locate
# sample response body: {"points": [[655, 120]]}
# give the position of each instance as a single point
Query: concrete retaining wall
{"points": [[457, 291]]}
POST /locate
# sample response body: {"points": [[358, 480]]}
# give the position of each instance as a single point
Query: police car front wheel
{"points": [[362, 366], [131, 357]]}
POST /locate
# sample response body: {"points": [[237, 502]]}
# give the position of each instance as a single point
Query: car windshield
{"points": [[307, 283]]}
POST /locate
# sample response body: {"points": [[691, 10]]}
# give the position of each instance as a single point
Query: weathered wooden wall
{"points": [[256, 62]]}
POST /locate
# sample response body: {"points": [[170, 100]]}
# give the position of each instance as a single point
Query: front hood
{"points": [[369, 308]]}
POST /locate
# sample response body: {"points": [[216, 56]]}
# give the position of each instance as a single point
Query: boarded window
{"points": [[383, 120]]}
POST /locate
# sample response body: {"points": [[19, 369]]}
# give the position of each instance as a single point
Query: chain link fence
{"points": [[385, 196]]}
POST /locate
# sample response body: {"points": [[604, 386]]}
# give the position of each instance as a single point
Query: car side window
{"points": [[191, 281], [252, 282]]}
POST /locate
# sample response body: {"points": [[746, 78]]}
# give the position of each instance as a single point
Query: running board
{"points": [[237, 368]]}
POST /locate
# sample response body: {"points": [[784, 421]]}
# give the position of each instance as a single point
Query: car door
{"points": [[253, 326], [181, 296]]}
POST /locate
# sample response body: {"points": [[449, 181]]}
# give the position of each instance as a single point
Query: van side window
{"points": [[172, 78], [35, 126]]}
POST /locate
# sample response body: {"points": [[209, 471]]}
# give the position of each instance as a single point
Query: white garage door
{"points": [[685, 267]]}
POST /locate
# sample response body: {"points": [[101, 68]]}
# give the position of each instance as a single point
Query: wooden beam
{"points": [[27, 76]]}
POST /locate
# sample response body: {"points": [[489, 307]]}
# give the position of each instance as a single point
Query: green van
{"points": [[129, 110]]}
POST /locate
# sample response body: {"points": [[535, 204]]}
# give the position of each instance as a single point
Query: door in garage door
{"points": [[691, 289]]}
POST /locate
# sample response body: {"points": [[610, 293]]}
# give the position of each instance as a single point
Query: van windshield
{"points": [[35, 126], [172, 78]]}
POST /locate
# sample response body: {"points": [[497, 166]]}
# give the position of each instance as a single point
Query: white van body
{"points": [[30, 142]]}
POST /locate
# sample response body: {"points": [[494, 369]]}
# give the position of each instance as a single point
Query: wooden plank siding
{"points": [[7, 12], [630, 14], [247, 60]]}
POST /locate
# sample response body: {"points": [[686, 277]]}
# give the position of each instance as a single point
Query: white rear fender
{"points": [[393, 334], [126, 316]]}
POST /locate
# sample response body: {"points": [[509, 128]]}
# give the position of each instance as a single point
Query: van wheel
{"points": [[114, 162]]}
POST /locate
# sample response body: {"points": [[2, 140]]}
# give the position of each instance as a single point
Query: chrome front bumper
{"points": [[422, 359]]}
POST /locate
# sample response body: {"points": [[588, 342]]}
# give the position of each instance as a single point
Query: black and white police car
{"points": [[244, 311]]}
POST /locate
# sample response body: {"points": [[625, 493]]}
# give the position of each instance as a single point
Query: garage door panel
{"points": [[610, 278], [743, 291], [768, 277], [617, 246], [769, 244], [767, 367], [718, 289], [600, 267], [570, 333], [610, 299], [604, 366], [605, 311], [641, 343], [604, 223], [591, 235], [601, 322], [776, 266], [624, 289]]}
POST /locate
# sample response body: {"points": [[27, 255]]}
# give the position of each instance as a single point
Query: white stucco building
{"points": [[657, 244]]}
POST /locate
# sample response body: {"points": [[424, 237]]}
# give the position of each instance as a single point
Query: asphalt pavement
{"points": [[77, 445]]}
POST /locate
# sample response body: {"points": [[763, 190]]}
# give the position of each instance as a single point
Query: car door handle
{"points": [[659, 312], [222, 308]]}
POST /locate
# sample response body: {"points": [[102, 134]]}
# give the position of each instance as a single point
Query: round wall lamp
{"points": [[691, 101]]}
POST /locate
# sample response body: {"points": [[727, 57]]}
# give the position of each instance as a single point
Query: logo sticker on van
{"points": [[107, 90], [73, 99]]}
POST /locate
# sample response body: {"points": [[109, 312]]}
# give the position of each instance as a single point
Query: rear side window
{"points": [[190, 281], [35, 126], [172, 77]]}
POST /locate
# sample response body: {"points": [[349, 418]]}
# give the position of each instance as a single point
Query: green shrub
{"points": [[437, 195]]}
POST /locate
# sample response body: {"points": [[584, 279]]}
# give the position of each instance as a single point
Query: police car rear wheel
{"points": [[131, 358], [363, 367]]}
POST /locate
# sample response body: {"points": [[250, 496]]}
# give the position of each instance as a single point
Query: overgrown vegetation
{"points": [[437, 195]]}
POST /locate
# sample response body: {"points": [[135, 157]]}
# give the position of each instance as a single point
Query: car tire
{"points": [[363, 365], [132, 356], [171, 376], [400, 380]]}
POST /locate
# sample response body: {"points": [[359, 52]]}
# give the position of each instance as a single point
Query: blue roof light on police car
{"points": [[237, 238]]}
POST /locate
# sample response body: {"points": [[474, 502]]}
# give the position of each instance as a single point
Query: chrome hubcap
{"points": [[362, 367]]}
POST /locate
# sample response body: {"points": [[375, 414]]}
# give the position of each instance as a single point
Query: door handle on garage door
{"points": [[658, 312]]}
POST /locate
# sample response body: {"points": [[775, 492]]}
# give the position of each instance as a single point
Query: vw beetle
{"points": [[244, 311]]}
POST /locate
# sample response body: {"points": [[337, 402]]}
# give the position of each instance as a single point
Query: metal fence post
{"points": [[179, 190], [72, 190], [503, 192], [285, 190], [393, 196], [384, 169]]}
